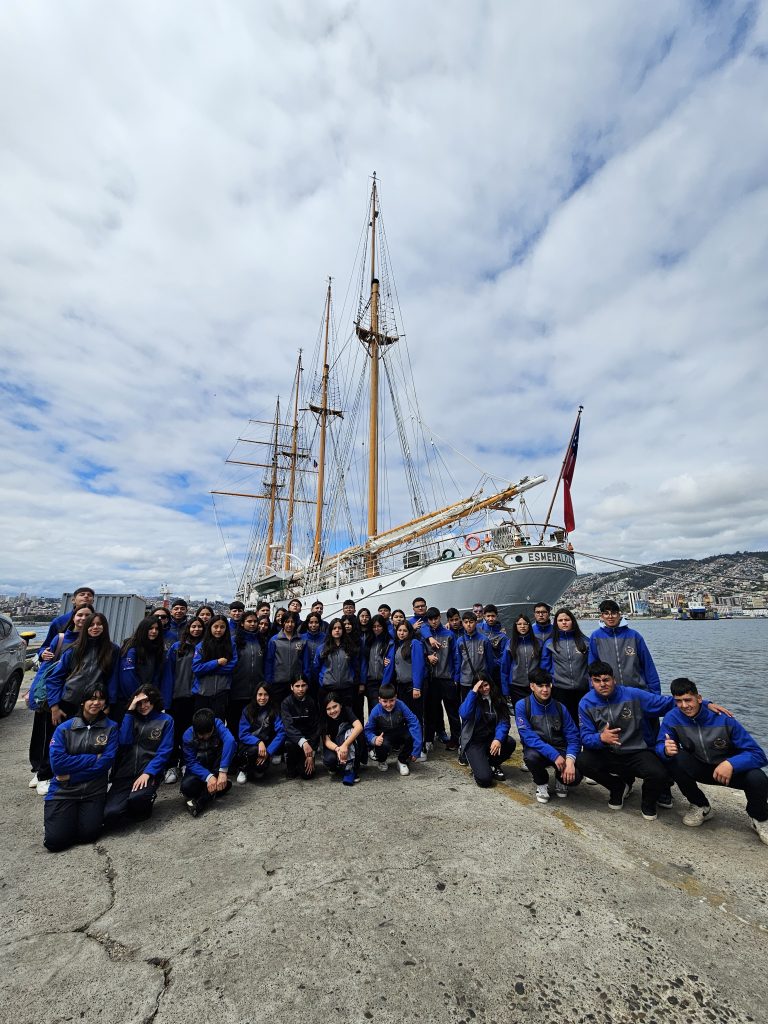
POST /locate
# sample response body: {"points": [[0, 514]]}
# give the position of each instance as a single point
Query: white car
{"points": [[13, 652]]}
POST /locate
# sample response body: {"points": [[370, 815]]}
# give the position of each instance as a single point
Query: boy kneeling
{"points": [[209, 749], [393, 726]]}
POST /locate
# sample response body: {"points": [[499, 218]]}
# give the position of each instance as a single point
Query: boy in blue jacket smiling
{"points": [[392, 725], [699, 745]]}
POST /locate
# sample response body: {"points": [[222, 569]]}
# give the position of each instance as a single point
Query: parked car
{"points": [[13, 652]]}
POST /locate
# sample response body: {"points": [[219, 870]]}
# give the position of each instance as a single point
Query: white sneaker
{"points": [[43, 787], [403, 768], [590, 782], [277, 759], [382, 766], [561, 789], [761, 827], [542, 794], [33, 781], [171, 777], [423, 755], [523, 767], [697, 815], [241, 779], [427, 747]]}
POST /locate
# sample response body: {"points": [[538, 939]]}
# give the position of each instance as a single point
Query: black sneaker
{"points": [[665, 798], [648, 811], [619, 792], [497, 773], [463, 758], [193, 808]]}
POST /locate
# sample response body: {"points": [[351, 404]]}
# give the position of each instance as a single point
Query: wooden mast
{"points": [[292, 480], [323, 412], [373, 412], [272, 491]]}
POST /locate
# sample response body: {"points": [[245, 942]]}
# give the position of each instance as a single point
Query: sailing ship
{"points": [[338, 469]]}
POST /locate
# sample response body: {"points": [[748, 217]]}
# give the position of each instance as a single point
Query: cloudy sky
{"points": [[575, 198]]}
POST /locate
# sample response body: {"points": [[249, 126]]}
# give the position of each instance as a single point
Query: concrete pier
{"points": [[401, 899]]}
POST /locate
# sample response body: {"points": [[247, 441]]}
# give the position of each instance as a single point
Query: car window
{"points": [[5, 627]]}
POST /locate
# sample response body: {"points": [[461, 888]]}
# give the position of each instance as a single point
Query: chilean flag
{"points": [[568, 467]]}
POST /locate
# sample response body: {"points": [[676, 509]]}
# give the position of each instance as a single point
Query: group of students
{"points": [[211, 697]]}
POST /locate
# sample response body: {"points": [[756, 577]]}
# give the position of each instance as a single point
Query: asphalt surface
{"points": [[401, 899]]}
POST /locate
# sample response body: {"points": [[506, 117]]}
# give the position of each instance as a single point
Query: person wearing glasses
{"points": [[145, 746], [83, 750], [164, 618]]}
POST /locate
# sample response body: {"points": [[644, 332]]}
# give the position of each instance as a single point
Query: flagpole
{"points": [[562, 470]]}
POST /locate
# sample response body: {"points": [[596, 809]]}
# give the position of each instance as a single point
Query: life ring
{"points": [[473, 543], [448, 553]]}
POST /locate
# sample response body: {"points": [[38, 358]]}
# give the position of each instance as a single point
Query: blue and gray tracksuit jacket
{"points": [[209, 678], [209, 757], [711, 738], [132, 674], [145, 745], [480, 718], [446, 659], [400, 718], [566, 663], [66, 683], [264, 727], [176, 683], [402, 672], [627, 653], [472, 655], [287, 659], [547, 728], [514, 671], [85, 751], [629, 709]]}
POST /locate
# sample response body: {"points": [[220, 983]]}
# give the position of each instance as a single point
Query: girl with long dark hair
{"points": [[177, 689], [315, 635], [485, 739], [338, 664], [213, 663], [142, 657], [145, 747], [251, 644], [565, 656], [373, 659], [522, 654], [406, 670], [341, 730], [91, 661], [261, 736]]}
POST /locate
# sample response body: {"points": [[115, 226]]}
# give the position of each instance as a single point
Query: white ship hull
{"points": [[514, 579]]}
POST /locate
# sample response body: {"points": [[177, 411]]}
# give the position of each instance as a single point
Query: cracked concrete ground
{"points": [[399, 900]]}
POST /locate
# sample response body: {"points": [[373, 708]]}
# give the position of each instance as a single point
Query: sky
{"points": [[575, 199]]}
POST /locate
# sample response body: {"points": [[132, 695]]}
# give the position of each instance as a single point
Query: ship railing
{"points": [[426, 551]]}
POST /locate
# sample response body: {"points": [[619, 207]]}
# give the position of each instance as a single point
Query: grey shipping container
{"points": [[123, 612]]}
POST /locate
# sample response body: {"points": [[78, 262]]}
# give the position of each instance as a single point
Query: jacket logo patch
{"points": [[100, 740], [629, 650], [155, 734], [720, 743], [626, 713]]}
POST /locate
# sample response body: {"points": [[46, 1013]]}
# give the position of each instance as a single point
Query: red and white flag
{"points": [[568, 467]]}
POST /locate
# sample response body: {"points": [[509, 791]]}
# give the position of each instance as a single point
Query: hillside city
{"points": [[725, 586]]}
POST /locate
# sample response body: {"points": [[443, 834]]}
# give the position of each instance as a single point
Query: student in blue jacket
{"points": [[213, 663], [341, 731], [624, 650], [698, 745], [565, 656], [338, 665], [83, 750], [91, 660], [209, 753], [142, 657], [549, 736], [176, 690], [522, 653], [261, 735], [393, 726], [485, 740], [145, 746], [83, 596]]}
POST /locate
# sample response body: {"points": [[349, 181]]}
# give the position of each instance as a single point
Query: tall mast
{"points": [[323, 412], [292, 480], [373, 413], [272, 490]]}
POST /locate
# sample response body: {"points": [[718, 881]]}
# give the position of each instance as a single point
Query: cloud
{"points": [[572, 204]]}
